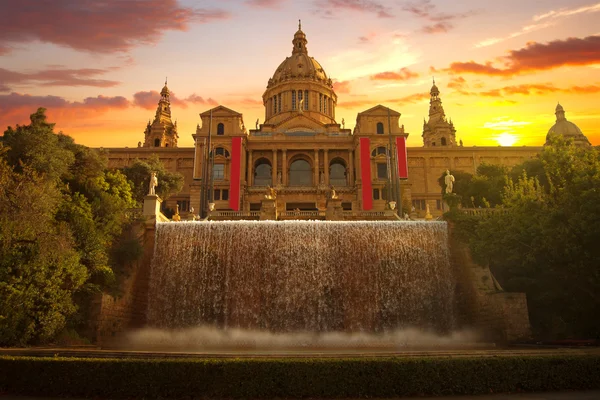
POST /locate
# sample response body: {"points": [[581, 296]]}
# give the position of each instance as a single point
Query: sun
{"points": [[506, 139]]}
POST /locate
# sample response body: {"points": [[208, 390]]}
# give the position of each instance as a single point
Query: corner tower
{"points": [[162, 132], [299, 86], [437, 131]]}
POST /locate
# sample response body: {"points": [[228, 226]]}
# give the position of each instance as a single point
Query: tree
{"points": [[139, 172], [86, 204], [545, 244], [39, 268]]}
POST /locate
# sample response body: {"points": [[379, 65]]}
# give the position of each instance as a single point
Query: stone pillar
{"points": [[268, 210], [326, 165], [316, 173], [351, 168], [274, 169], [284, 168], [250, 169], [334, 210], [152, 205]]}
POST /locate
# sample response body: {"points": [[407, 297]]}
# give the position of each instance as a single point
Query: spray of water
{"points": [[206, 338]]}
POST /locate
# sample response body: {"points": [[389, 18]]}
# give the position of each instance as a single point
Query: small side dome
{"points": [[566, 129]]}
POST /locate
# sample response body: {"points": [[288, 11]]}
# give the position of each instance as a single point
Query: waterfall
{"points": [[302, 276]]}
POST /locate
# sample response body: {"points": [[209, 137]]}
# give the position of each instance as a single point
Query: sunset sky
{"points": [[98, 65]]}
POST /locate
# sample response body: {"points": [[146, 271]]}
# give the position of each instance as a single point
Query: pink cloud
{"points": [[265, 3], [57, 76], [538, 57], [330, 8], [341, 86], [97, 25]]}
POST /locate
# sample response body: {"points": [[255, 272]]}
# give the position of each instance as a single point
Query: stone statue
{"points": [[257, 123], [271, 193], [333, 194], [139, 144], [461, 143], [343, 124], [176, 217], [449, 181], [279, 177], [153, 184], [301, 106]]}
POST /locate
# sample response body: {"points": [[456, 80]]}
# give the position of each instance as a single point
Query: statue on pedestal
{"points": [[333, 195], [449, 181], [271, 193], [153, 184], [176, 217]]}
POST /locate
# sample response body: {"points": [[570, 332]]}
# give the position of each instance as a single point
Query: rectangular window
{"points": [[423, 205], [293, 99], [225, 194], [184, 205], [219, 172], [306, 99], [274, 104], [438, 203], [382, 171], [279, 102], [320, 102], [217, 194], [324, 104], [375, 194]]}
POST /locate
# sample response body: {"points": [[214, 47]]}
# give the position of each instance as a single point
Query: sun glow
{"points": [[506, 139]]}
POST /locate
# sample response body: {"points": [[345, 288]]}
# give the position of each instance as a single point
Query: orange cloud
{"points": [[97, 26], [341, 86], [538, 57], [457, 83], [403, 75], [411, 99], [15, 108]]}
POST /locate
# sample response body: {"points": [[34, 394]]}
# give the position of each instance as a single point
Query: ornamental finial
{"points": [[299, 24]]}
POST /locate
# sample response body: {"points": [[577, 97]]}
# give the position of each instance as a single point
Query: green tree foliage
{"points": [[40, 269], [546, 242], [484, 189], [139, 172], [85, 208]]}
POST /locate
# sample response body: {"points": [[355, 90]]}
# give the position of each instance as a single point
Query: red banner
{"points": [[234, 181], [365, 173], [401, 157]]}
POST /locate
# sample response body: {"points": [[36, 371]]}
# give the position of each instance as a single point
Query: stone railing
{"points": [[234, 215], [302, 214], [484, 212]]}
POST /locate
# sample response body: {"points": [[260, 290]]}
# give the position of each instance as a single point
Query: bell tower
{"points": [[162, 132], [437, 131]]}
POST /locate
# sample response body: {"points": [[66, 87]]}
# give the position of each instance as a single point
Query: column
{"points": [[274, 168], [284, 168], [250, 170], [351, 168], [316, 174], [326, 165]]}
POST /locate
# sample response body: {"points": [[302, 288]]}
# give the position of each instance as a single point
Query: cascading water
{"points": [[308, 276]]}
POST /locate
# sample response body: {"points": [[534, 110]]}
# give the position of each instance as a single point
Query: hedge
{"points": [[284, 377]]}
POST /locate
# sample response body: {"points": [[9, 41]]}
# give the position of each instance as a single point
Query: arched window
{"points": [[262, 173], [379, 151], [279, 102], [157, 142], [306, 99], [337, 173], [433, 143], [220, 129], [380, 128], [220, 151], [293, 99], [444, 141], [300, 173]]}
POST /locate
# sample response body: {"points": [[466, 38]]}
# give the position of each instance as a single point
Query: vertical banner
{"points": [[234, 179], [401, 157], [365, 173]]}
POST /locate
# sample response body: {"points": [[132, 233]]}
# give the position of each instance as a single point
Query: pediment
{"points": [[221, 111], [379, 110], [300, 123]]}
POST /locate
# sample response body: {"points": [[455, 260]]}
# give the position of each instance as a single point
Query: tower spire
{"points": [[299, 24]]}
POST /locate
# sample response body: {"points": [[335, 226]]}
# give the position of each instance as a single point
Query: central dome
{"points": [[299, 90], [299, 65], [567, 129]]}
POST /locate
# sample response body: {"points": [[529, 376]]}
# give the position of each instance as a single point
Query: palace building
{"points": [[301, 156]]}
